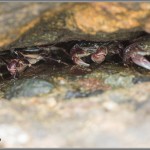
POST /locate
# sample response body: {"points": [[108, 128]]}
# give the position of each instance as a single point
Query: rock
{"points": [[102, 100], [74, 94], [121, 21], [117, 80], [17, 18], [92, 120], [77, 94], [28, 88], [141, 79]]}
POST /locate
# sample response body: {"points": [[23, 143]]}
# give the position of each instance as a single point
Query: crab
{"points": [[20, 59], [17, 61], [138, 53], [133, 53], [97, 54], [96, 51], [82, 54]]}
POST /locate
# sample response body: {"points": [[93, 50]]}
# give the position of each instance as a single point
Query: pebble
{"points": [[28, 88]]}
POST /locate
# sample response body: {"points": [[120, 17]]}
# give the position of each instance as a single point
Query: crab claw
{"points": [[76, 59], [139, 59], [137, 55], [99, 55], [77, 53]]}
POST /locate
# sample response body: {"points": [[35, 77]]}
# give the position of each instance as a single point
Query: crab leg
{"points": [[99, 55], [77, 60], [139, 59], [77, 53]]}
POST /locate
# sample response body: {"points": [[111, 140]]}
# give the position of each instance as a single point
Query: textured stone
{"points": [[28, 88], [100, 21]]}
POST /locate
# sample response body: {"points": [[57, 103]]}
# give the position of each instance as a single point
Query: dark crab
{"points": [[19, 59], [95, 51], [82, 53], [133, 53], [138, 52]]}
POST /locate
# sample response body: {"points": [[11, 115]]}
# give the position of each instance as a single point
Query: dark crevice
{"points": [[62, 54]]}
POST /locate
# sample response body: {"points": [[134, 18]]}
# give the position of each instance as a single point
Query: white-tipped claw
{"points": [[141, 61], [79, 61]]}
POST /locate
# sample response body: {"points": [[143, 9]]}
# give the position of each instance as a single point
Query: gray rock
{"points": [[28, 88], [118, 80]]}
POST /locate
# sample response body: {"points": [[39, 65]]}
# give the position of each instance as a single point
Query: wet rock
{"points": [[91, 84], [78, 94], [95, 93], [74, 94], [28, 88], [76, 70], [118, 80], [137, 80]]}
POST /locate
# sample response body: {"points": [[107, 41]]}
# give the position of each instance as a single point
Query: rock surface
{"points": [[28, 88], [18, 17], [86, 122], [123, 21], [105, 107]]}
